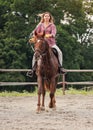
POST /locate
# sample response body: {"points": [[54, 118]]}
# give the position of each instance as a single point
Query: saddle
{"points": [[55, 52]]}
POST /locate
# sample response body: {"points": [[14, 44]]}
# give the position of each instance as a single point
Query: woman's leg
{"points": [[60, 55], [33, 61]]}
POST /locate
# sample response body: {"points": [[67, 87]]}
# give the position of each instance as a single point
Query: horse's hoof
{"points": [[54, 108], [50, 105], [42, 108], [37, 112], [47, 110]]}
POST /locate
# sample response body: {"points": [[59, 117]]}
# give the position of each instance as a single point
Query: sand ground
{"points": [[73, 112]]}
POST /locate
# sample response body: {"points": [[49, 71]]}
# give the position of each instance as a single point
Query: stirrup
{"points": [[62, 70], [30, 73]]}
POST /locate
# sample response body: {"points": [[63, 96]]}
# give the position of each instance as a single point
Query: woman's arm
{"points": [[53, 30]]}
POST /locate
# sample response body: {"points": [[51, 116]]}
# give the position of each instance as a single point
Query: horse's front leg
{"points": [[52, 94], [39, 80], [43, 98]]}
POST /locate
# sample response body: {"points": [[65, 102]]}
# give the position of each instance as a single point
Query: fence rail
{"points": [[14, 70], [35, 83], [25, 70]]}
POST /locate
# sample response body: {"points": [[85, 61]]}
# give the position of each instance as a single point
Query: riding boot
{"points": [[61, 70], [32, 72]]}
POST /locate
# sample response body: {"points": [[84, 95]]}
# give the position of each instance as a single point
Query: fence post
{"points": [[63, 83]]}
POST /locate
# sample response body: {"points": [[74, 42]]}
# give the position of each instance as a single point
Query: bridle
{"points": [[40, 53]]}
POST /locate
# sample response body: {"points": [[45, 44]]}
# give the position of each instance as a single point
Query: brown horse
{"points": [[46, 70]]}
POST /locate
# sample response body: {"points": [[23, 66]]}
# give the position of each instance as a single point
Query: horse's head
{"points": [[36, 37], [40, 44]]}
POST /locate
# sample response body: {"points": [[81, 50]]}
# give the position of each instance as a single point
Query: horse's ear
{"points": [[35, 33]]}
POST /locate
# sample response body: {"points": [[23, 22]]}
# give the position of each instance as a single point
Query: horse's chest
{"points": [[46, 71]]}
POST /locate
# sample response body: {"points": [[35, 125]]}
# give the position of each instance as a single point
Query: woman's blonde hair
{"points": [[51, 20]]}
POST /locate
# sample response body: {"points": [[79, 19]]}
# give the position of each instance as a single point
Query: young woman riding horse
{"points": [[47, 25], [45, 63]]}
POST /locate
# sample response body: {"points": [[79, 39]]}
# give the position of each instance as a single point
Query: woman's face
{"points": [[46, 17]]}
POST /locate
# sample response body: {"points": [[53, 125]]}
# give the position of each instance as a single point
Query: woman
{"points": [[47, 24]]}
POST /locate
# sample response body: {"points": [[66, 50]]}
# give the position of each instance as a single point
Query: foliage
{"points": [[18, 18]]}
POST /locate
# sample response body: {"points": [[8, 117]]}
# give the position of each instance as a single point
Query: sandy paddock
{"points": [[73, 112]]}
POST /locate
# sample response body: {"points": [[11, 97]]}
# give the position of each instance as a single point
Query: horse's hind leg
{"points": [[52, 101], [38, 104], [52, 95], [43, 97], [43, 101], [51, 98]]}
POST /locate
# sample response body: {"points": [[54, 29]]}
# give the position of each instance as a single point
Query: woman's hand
{"points": [[48, 35]]}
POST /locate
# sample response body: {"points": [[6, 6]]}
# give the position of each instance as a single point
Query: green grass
{"points": [[82, 92], [16, 94], [74, 91], [58, 92]]}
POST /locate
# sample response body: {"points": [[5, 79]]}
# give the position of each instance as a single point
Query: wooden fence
{"points": [[35, 83]]}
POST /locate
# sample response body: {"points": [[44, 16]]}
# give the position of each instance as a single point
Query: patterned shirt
{"points": [[50, 29]]}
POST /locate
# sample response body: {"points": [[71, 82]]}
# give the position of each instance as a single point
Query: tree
{"points": [[18, 18]]}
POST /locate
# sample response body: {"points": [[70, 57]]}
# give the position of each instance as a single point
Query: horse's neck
{"points": [[47, 57], [50, 55]]}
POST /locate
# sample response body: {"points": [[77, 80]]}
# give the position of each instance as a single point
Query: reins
{"points": [[41, 53], [32, 48]]}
